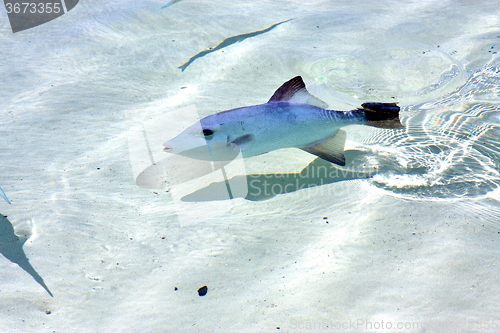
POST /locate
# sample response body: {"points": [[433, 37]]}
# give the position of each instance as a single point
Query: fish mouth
{"points": [[167, 148]]}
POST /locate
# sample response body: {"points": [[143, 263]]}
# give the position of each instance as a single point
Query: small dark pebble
{"points": [[202, 291], [175, 288], [48, 311]]}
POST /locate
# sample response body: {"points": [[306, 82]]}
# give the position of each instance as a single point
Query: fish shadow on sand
{"points": [[11, 246], [229, 41], [170, 3], [266, 186], [3, 195]]}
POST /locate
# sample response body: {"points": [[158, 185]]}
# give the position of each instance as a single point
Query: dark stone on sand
{"points": [[202, 291]]}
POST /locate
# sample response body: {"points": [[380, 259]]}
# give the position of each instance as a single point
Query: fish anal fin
{"points": [[331, 149], [294, 91]]}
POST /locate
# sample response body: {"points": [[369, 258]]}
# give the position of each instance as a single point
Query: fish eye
{"points": [[208, 133]]}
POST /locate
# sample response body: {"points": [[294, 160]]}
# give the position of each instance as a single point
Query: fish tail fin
{"points": [[382, 115]]}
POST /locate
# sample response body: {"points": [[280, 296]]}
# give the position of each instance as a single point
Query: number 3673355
{"points": [[33, 8]]}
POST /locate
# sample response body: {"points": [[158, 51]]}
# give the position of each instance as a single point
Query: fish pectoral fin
{"points": [[331, 150], [294, 91], [244, 141]]}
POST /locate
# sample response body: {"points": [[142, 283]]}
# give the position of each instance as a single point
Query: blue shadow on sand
{"points": [[3, 195], [170, 3], [266, 186], [228, 41], [11, 246]]}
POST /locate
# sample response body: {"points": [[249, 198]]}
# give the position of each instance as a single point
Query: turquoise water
{"points": [[406, 233]]}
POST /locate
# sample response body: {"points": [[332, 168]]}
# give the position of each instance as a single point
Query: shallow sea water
{"points": [[405, 237]]}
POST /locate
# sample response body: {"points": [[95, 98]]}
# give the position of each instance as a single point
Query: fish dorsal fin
{"points": [[294, 91], [332, 149]]}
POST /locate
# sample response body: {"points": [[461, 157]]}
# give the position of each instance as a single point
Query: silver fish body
{"points": [[275, 125], [291, 119]]}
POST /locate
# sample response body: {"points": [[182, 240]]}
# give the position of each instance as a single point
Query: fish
{"points": [[292, 118]]}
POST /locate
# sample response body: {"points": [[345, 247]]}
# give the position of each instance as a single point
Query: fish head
{"points": [[205, 140], [190, 138]]}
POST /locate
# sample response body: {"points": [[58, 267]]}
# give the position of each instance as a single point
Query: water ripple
{"points": [[407, 74], [450, 149]]}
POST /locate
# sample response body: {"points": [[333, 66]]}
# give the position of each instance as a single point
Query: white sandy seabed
{"points": [[411, 245]]}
